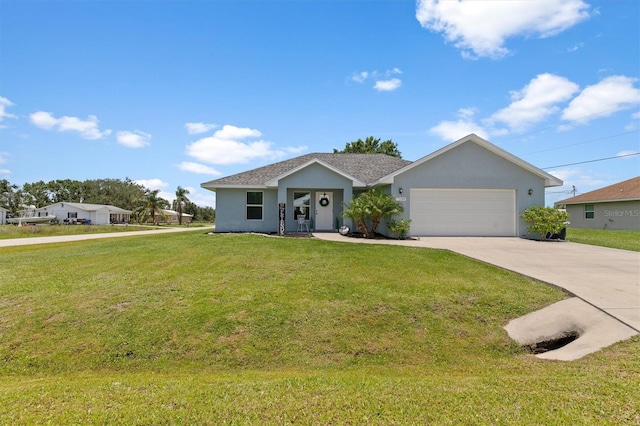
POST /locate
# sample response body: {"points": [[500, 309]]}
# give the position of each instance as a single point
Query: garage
{"points": [[463, 212]]}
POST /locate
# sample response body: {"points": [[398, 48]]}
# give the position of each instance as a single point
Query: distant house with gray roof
{"points": [[470, 187], [95, 214], [615, 206]]}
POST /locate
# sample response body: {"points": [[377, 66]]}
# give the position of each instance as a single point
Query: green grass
{"points": [[625, 240], [240, 329], [13, 231]]}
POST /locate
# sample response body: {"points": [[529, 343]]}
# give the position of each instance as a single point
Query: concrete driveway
{"points": [[605, 280]]}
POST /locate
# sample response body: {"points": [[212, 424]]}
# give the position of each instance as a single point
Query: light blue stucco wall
{"points": [[231, 211], [231, 203], [315, 178], [611, 215], [470, 166]]}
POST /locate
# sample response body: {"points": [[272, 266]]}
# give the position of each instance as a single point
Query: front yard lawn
{"points": [[625, 240], [191, 328]]}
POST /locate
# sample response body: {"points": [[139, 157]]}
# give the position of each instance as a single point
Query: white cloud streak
{"points": [[88, 129], [454, 130], [387, 85], [4, 104], [610, 95], [384, 82], [189, 166], [135, 139], [197, 128], [481, 28]]}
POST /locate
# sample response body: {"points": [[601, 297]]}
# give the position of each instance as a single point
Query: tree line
{"points": [[127, 194]]}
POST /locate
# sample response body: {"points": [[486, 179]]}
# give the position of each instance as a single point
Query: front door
{"points": [[324, 211]]}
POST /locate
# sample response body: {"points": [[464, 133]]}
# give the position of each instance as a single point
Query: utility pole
{"points": [[574, 190]]}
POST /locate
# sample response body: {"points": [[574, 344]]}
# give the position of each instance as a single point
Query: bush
{"points": [[400, 228], [544, 220]]}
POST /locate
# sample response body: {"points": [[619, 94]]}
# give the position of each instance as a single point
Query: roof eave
{"points": [[596, 201]]}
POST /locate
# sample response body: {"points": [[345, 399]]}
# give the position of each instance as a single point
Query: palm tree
{"points": [[181, 199], [152, 204], [372, 206]]}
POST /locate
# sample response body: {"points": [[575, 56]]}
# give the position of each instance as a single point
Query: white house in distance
{"points": [[95, 214], [615, 206], [171, 216], [3, 215]]}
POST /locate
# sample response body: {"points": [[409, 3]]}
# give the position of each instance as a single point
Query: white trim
{"points": [[549, 180]]}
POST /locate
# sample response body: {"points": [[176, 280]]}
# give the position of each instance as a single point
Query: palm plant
{"points": [[153, 205], [372, 207], [181, 199]]}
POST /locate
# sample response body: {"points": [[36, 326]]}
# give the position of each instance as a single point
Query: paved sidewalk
{"points": [[67, 238]]}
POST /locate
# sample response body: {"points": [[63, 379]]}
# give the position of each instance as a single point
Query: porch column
{"points": [[346, 198]]}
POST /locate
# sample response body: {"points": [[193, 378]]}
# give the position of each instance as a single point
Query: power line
{"points": [[592, 161], [580, 143]]}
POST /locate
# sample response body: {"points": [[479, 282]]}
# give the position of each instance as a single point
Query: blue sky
{"points": [[176, 93]]}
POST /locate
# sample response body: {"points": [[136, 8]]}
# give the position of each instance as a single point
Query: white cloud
{"points": [[152, 184], [3, 157], [135, 139], [627, 153], [198, 168], [387, 85], [197, 128], [480, 28], [229, 146], [4, 103], [535, 102], [203, 199], [360, 77], [384, 81], [575, 47], [454, 130], [88, 129], [603, 99], [5, 172]]}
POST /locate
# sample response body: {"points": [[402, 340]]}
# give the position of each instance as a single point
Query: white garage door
{"points": [[463, 212]]}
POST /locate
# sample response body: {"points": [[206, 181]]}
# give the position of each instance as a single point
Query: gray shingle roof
{"points": [[367, 168]]}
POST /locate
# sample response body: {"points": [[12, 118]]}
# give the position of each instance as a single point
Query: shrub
{"points": [[400, 228], [544, 220]]}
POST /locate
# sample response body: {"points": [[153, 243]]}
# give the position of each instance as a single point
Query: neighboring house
{"points": [[613, 207], [171, 216], [3, 215], [95, 214], [468, 188]]}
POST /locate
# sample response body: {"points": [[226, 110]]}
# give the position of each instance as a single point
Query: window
{"points": [[589, 211], [72, 215], [301, 204], [254, 205]]}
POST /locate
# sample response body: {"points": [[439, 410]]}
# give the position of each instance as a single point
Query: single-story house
{"points": [[95, 214], [171, 216], [468, 188], [615, 206], [3, 215]]}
